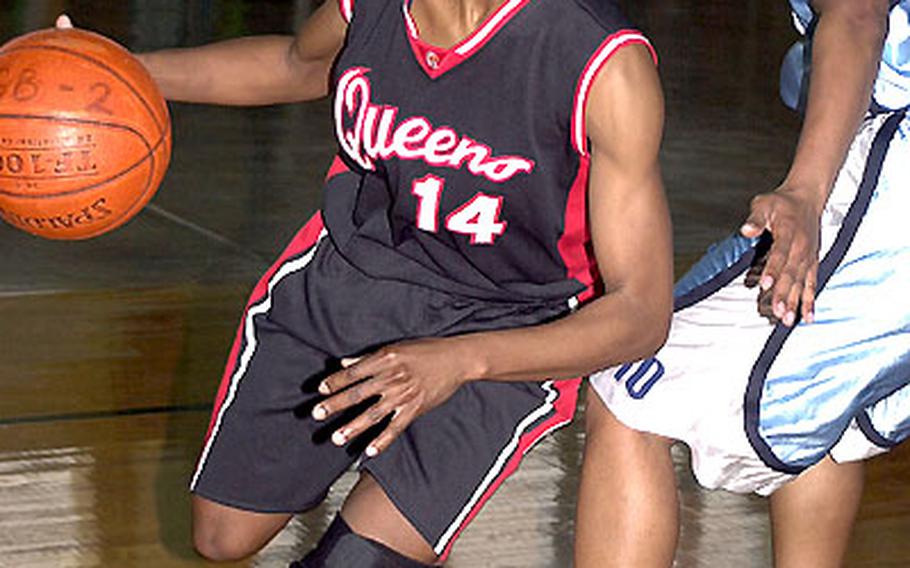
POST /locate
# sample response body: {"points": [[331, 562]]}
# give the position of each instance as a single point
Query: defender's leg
{"points": [[812, 516], [627, 505]]}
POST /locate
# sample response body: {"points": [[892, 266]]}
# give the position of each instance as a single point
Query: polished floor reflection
{"points": [[111, 348]]}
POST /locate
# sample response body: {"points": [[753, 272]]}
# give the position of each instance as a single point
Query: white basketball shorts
{"points": [[757, 403]]}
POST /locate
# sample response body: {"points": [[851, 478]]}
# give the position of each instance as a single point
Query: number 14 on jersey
{"points": [[478, 217]]}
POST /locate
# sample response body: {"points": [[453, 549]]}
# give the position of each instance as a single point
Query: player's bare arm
{"points": [[846, 52], [252, 71], [632, 240]]}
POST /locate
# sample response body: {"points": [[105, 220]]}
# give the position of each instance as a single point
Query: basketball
{"points": [[85, 135]]}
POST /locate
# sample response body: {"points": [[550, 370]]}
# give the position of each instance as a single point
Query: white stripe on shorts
{"points": [[249, 332]]}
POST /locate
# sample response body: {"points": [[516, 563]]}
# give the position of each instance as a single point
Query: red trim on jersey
{"points": [[603, 54], [346, 7], [436, 60], [562, 413], [338, 167], [303, 240], [574, 244]]}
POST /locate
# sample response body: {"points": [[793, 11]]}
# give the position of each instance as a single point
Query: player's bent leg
{"points": [[372, 515], [223, 533], [812, 516], [340, 547], [627, 504]]}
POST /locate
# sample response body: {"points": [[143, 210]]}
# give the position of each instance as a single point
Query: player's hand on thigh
{"points": [[407, 379], [787, 281]]}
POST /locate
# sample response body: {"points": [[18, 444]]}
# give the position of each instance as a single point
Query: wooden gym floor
{"points": [[110, 349]]}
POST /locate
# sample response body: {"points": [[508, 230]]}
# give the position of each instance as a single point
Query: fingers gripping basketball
{"points": [[85, 136]]}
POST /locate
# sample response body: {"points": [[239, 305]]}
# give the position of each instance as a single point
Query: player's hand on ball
{"points": [[787, 282], [409, 379], [63, 22]]}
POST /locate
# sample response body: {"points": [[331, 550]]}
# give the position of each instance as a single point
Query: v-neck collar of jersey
{"points": [[436, 61]]}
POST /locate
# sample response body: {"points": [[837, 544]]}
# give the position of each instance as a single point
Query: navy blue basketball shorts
{"points": [[263, 451], [758, 402]]}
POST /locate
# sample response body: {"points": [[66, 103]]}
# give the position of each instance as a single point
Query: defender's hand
{"points": [[790, 271], [409, 379]]}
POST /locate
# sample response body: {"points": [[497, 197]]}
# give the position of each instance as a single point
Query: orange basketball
{"points": [[85, 135]]}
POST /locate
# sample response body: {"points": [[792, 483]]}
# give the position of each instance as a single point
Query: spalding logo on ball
{"points": [[85, 135]]}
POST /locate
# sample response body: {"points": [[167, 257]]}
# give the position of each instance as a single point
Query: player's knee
{"points": [[340, 547], [222, 533], [219, 545], [211, 547]]}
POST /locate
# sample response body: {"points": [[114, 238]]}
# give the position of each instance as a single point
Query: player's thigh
{"points": [[449, 462], [263, 451]]}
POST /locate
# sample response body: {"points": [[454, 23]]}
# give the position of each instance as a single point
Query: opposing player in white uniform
{"points": [[787, 396]]}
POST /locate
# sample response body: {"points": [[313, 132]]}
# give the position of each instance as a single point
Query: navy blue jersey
{"points": [[465, 169]]}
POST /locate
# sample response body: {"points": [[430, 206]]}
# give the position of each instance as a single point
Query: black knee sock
{"points": [[340, 547]]}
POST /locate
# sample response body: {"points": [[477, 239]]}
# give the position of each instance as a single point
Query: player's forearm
{"points": [[257, 70], [846, 53], [631, 238], [632, 241], [616, 328]]}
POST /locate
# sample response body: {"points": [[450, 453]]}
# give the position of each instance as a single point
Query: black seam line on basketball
{"points": [[149, 154], [47, 148], [775, 343], [133, 207], [45, 178], [107, 68], [150, 151], [101, 414]]}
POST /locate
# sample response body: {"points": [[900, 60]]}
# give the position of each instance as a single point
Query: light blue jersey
{"points": [[892, 87], [757, 402]]}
